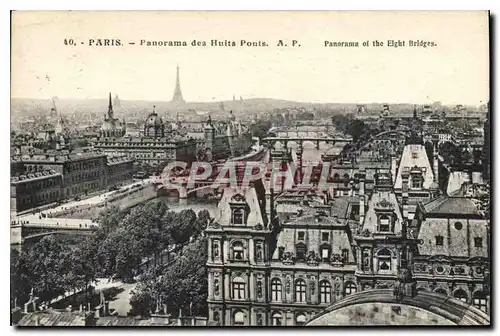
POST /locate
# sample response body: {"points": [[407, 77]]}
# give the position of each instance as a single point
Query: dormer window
{"points": [[416, 182], [385, 223], [238, 215]]}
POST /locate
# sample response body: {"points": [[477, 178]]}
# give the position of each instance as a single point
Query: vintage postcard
{"points": [[231, 169]]}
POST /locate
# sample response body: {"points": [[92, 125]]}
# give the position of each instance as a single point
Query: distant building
{"points": [[177, 98], [31, 190], [155, 147], [487, 147], [120, 170], [44, 178], [112, 127], [453, 258]]}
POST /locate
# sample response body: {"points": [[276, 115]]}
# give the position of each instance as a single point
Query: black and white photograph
{"points": [[250, 169]]}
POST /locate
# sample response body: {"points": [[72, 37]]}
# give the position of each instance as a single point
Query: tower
{"points": [[177, 98], [238, 252], [110, 108]]}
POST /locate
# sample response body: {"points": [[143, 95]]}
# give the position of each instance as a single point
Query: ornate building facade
{"points": [[282, 259]]}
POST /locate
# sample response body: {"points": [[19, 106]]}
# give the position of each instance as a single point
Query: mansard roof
{"points": [[382, 201], [414, 156], [251, 197], [451, 206]]}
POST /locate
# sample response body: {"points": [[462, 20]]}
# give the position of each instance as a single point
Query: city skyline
{"points": [[453, 73]]}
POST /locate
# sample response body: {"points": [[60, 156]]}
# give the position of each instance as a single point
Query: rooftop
{"points": [[451, 205], [119, 159], [34, 176], [58, 156], [53, 318]]}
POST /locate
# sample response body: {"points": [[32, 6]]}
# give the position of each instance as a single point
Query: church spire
{"points": [[110, 107], [177, 98]]}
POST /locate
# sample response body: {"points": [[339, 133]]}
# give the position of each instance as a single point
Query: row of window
{"points": [[479, 299], [325, 253], [478, 241], [33, 200], [84, 176], [276, 318], [32, 186], [83, 188], [86, 165], [325, 290]]}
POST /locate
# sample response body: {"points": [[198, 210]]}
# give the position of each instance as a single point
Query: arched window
{"points": [[238, 250], [238, 288], [479, 301], [276, 319], [325, 292], [300, 291], [239, 318], [276, 289], [384, 260], [461, 295], [301, 319], [238, 215], [441, 291], [336, 177], [350, 288]]}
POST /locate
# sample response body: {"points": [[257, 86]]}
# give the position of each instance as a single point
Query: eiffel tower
{"points": [[177, 98]]}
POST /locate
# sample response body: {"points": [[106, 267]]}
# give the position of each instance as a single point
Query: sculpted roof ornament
{"points": [[239, 198], [214, 225], [384, 204]]}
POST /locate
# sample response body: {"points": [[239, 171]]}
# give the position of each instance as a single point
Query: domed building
{"points": [[112, 127], [154, 126]]}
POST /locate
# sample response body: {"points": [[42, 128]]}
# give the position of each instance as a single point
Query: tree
{"points": [[128, 255], [141, 301], [109, 220], [202, 221], [185, 280], [181, 225], [181, 285], [45, 266], [260, 128], [356, 128]]}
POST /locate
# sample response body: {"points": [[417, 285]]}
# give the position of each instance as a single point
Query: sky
{"points": [[456, 71]]}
